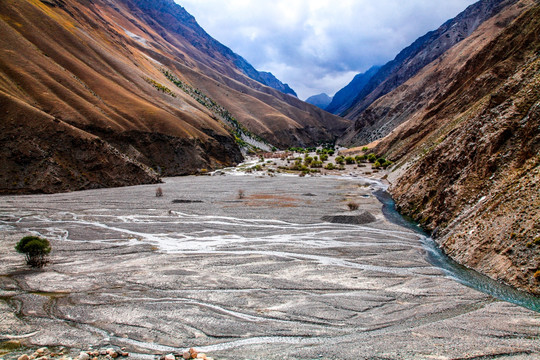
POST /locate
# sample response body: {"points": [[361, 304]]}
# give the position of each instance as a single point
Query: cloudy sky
{"points": [[319, 45]]}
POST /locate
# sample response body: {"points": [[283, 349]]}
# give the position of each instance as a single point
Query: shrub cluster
{"points": [[35, 249]]}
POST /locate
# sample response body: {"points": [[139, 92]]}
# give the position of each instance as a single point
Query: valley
{"points": [[256, 276], [258, 248]]}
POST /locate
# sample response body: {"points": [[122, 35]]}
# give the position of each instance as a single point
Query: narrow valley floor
{"points": [[243, 267]]}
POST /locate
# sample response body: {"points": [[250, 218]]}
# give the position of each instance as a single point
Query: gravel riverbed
{"points": [[242, 267]]}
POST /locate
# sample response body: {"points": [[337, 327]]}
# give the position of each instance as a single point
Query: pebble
{"points": [[24, 357], [169, 357], [83, 356]]}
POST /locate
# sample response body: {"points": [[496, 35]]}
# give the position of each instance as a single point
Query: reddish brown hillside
{"points": [[470, 163], [97, 67]]}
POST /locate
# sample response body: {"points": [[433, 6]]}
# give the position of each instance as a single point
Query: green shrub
{"points": [[35, 249], [308, 160], [350, 160], [365, 148], [372, 158], [340, 160], [316, 164], [324, 157], [360, 159], [329, 166]]}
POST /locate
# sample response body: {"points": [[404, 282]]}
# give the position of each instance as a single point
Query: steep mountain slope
{"points": [[269, 79], [468, 165], [177, 20], [376, 122], [321, 101], [142, 82], [345, 97]]}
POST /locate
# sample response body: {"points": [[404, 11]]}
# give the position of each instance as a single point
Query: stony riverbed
{"points": [[242, 267]]}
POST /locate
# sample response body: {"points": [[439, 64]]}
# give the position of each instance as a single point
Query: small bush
{"points": [[324, 157], [365, 148], [350, 160], [329, 166], [372, 158], [352, 206], [316, 164], [359, 158], [35, 249], [340, 160], [241, 194]]}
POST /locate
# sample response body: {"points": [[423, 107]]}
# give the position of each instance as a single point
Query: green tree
{"points": [[349, 160], [35, 249]]}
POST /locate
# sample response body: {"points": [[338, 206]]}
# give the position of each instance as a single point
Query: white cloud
{"points": [[319, 45]]}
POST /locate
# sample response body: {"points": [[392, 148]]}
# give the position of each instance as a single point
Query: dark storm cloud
{"points": [[319, 45]]}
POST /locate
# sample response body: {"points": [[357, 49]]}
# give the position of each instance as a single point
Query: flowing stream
{"points": [[456, 271]]}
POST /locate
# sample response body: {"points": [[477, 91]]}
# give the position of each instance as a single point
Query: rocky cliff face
{"points": [[468, 164], [373, 121], [138, 84]]}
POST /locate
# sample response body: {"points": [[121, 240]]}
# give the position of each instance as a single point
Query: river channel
{"points": [[244, 267]]}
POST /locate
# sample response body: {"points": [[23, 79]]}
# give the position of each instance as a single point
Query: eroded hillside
{"points": [[469, 163], [376, 114], [71, 71]]}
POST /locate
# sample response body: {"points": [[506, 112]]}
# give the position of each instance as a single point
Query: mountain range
{"points": [[109, 93]]}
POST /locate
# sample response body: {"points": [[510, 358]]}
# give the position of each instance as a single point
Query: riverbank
{"points": [[243, 267]]}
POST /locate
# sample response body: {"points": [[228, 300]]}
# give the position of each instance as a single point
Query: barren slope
{"points": [[98, 67], [469, 163], [374, 119]]}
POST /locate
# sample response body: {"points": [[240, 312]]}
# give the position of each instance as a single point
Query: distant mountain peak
{"points": [[322, 100]]}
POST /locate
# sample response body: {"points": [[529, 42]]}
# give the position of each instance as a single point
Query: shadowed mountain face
{"points": [[373, 122], [135, 84], [345, 97], [321, 101], [467, 150]]}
